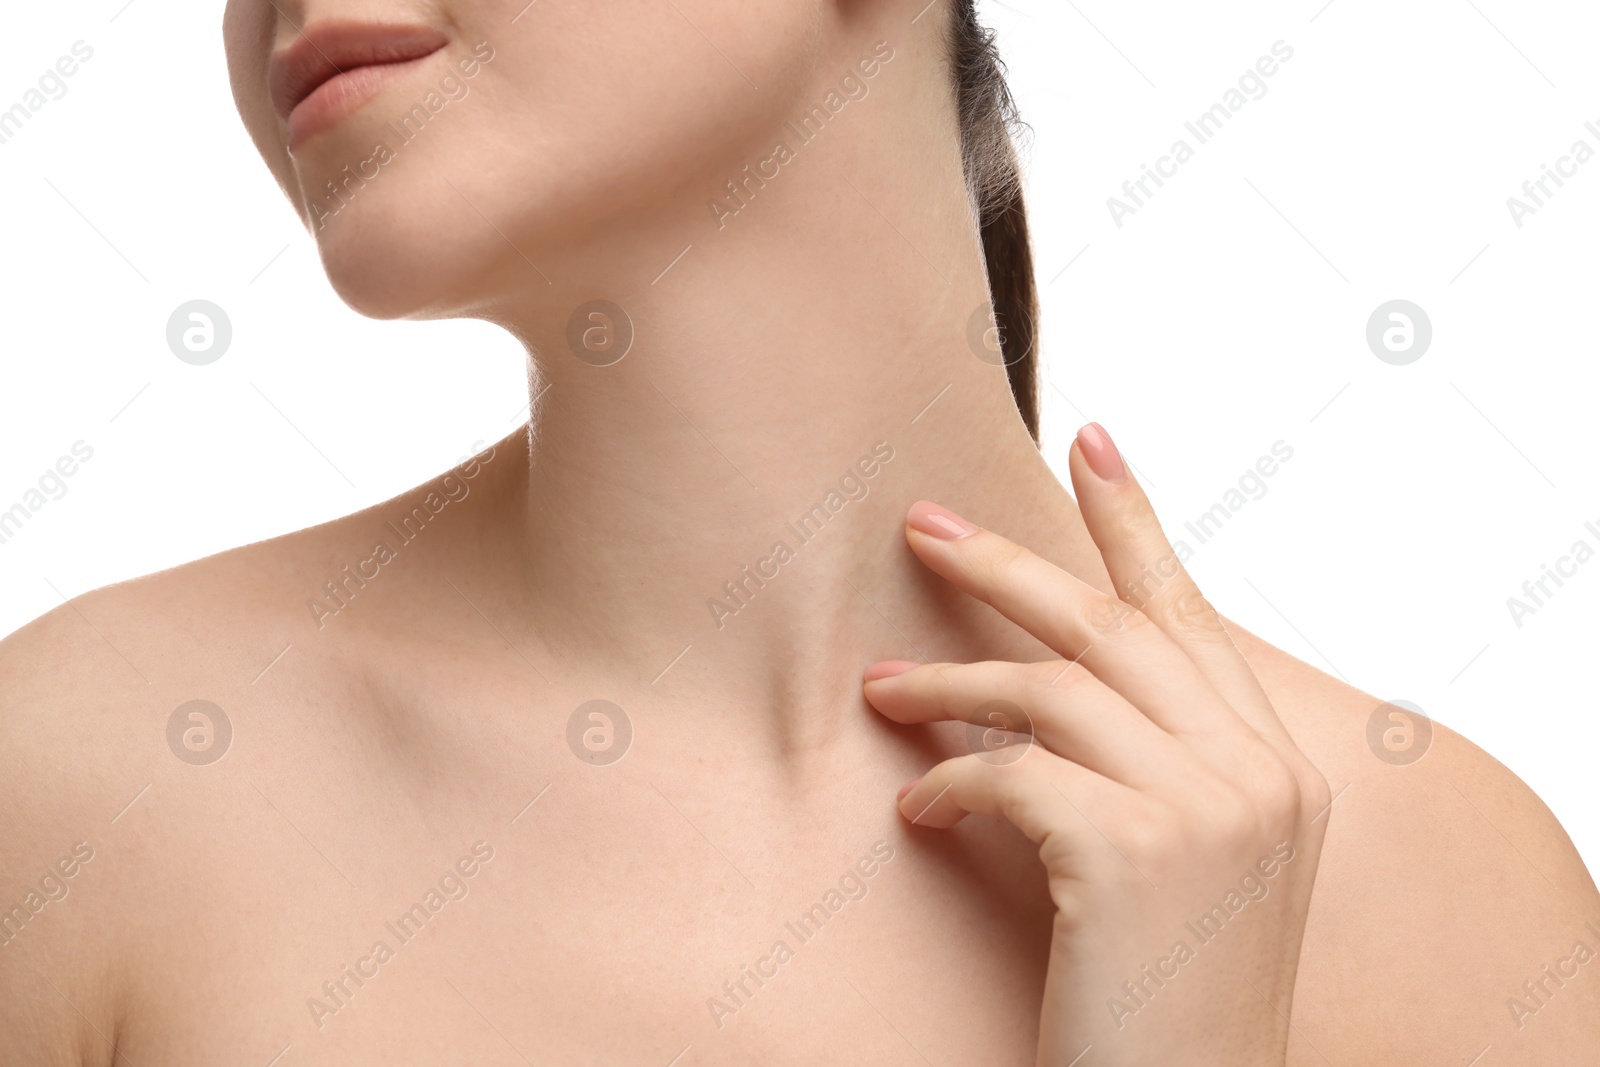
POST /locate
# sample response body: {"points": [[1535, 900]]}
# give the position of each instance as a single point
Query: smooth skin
{"points": [[376, 751], [376, 745]]}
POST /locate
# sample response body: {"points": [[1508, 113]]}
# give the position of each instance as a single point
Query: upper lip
{"points": [[327, 49]]}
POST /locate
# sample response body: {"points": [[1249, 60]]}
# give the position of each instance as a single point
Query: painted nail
{"points": [[935, 521], [1101, 454], [887, 669], [908, 787]]}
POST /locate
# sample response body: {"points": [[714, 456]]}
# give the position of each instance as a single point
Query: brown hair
{"points": [[989, 120]]}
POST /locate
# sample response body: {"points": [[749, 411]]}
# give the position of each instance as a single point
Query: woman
{"points": [[566, 756]]}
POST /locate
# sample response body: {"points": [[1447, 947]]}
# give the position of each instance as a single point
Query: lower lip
{"points": [[342, 96]]}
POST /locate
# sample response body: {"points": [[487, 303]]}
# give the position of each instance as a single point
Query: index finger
{"points": [[1076, 620]]}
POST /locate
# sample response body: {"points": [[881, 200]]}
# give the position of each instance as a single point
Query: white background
{"points": [[1227, 314]]}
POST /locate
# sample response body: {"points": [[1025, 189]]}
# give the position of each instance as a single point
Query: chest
{"points": [[607, 921]]}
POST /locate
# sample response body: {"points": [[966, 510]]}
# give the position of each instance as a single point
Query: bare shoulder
{"points": [[87, 694], [91, 684], [1452, 914], [114, 705], [227, 619]]}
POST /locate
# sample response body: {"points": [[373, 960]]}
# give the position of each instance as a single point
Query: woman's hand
{"points": [[1179, 824]]}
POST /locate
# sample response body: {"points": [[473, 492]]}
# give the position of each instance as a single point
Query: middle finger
{"points": [[1117, 643], [1070, 712]]}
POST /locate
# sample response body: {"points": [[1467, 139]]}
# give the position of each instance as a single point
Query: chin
{"points": [[438, 197], [402, 244], [405, 265]]}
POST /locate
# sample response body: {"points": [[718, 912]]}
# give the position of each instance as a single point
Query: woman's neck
{"points": [[735, 484]]}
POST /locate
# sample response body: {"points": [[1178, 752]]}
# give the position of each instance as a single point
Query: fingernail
{"points": [[935, 521], [908, 787], [887, 669], [1101, 454]]}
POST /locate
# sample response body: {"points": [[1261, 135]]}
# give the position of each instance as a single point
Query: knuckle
{"points": [[938, 688], [1315, 793], [1153, 576], [1221, 810], [999, 563], [1131, 523], [1269, 791], [1107, 617], [1049, 680], [1281, 797], [1190, 613], [1014, 786], [1237, 816], [1014, 780], [1150, 832]]}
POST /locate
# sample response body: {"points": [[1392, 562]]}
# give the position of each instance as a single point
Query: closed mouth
{"points": [[329, 50]]}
